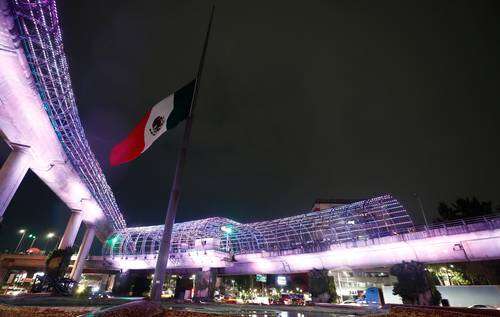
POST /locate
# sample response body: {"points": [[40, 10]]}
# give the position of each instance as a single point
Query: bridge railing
{"points": [[38, 27], [465, 225], [461, 226], [453, 227]]}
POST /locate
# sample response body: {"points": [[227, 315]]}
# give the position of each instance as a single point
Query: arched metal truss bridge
{"points": [[377, 217]]}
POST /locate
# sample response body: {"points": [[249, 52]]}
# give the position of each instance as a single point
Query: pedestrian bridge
{"points": [[373, 233]]}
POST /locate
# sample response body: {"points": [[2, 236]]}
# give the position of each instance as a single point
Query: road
{"points": [[271, 311]]}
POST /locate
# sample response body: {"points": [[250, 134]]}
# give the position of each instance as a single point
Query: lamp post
{"points": [[227, 230], [32, 236], [49, 236], [23, 233], [421, 208], [193, 277]]}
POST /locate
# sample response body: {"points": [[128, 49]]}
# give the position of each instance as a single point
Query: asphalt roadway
{"points": [[272, 310]]}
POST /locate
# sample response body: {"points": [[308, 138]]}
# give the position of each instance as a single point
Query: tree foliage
{"points": [[467, 273], [141, 285], [463, 208], [445, 274], [322, 286], [415, 285]]}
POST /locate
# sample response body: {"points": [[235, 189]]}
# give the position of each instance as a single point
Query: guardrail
{"points": [[490, 222]]}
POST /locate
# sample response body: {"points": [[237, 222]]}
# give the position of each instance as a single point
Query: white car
{"points": [[354, 302], [14, 291], [480, 306], [261, 300]]}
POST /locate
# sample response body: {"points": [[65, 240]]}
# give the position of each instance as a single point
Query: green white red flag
{"points": [[163, 117]]}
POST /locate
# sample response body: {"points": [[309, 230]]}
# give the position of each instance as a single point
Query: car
{"points": [[15, 291], [219, 298], [481, 306], [354, 302], [229, 299], [290, 299], [99, 295], [349, 302], [297, 299], [260, 300]]}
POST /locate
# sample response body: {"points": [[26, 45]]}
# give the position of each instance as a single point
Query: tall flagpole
{"points": [[175, 192]]}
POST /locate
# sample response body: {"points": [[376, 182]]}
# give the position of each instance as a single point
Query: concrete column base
{"points": [[83, 252]]}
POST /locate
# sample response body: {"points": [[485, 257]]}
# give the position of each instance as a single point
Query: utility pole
{"points": [[421, 208], [175, 192], [23, 232]]}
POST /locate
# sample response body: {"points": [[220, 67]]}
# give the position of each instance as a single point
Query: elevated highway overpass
{"points": [[39, 121]]}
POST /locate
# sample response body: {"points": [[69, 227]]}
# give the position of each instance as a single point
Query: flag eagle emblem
{"points": [[157, 124]]}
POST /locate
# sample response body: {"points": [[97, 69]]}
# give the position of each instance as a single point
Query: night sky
{"points": [[299, 100]]}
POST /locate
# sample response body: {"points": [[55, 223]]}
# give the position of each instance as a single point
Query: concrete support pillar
{"points": [[83, 252], [69, 236], [11, 175], [111, 283]]}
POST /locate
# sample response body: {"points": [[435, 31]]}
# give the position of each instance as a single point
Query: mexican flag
{"points": [[164, 116]]}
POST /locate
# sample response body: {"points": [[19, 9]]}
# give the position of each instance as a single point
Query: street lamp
{"points": [[23, 233], [421, 208], [227, 230], [32, 236], [49, 236]]}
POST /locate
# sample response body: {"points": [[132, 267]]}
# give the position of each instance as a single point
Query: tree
{"points": [[463, 208], [322, 286], [415, 285], [141, 285], [449, 274], [481, 272]]}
